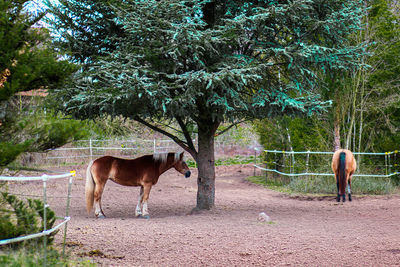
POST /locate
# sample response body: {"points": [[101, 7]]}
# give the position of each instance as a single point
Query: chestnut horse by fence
{"points": [[143, 171], [343, 165]]}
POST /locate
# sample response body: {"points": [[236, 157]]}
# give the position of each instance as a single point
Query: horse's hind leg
{"points": [[138, 211], [349, 189], [146, 193], [97, 200], [337, 185], [344, 194]]}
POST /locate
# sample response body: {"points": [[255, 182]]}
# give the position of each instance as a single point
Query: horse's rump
{"points": [[344, 166]]}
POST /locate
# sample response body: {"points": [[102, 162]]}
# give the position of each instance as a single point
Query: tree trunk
{"points": [[336, 133], [355, 85], [336, 122], [206, 167]]}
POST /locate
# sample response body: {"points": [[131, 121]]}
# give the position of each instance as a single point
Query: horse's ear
{"points": [[181, 156]]}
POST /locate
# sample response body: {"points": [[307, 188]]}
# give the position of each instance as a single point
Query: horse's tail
{"points": [[342, 172], [89, 188]]}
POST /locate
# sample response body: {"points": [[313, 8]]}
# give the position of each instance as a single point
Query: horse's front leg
{"points": [[146, 193], [138, 211]]}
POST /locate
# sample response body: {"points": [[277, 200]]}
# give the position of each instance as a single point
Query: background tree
{"points": [[202, 63], [27, 61], [379, 112], [366, 101]]}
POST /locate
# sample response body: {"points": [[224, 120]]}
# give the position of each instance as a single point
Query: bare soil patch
{"points": [[304, 231]]}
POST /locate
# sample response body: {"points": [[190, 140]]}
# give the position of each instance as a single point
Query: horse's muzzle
{"points": [[187, 174]]}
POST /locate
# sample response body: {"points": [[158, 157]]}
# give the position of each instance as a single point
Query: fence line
{"points": [[44, 178], [152, 146], [291, 166], [80, 151], [27, 237], [331, 153], [323, 174]]}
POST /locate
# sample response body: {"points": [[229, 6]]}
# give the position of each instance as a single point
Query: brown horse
{"points": [[343, 165], [143, 171]]}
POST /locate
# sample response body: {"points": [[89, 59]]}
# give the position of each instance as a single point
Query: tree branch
{"points": [[157, 129], [186, 133], [229, 127]]}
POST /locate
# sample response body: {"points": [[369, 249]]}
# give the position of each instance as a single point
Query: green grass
{"points": [[32, 258], [275, 185], [326, 185], [226, 161], [373, 186]]}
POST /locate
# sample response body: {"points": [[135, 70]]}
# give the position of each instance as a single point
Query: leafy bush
{"points": [[38, 132], [9, 151]]}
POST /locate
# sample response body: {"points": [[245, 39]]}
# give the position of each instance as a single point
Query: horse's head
{"points": [[182, 167]]}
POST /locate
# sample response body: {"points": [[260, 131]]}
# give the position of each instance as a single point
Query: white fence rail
{"points": [[44, 178], [82, 151]]}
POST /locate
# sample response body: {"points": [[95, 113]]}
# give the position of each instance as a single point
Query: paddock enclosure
{"points": [[305, 231]]}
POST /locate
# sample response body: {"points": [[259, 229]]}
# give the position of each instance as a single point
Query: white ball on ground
{"points": [[262, 217]]}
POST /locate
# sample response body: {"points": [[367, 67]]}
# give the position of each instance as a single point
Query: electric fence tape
{"points": [[327, 153]]}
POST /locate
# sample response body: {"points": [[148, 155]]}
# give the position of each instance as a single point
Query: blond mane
{"points": [[163, 157]]}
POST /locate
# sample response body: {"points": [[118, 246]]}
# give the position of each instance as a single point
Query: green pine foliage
{"points": [[27, 60], [10, 150], [20, 218], [177, 61], [85, 45], [173, 58]]}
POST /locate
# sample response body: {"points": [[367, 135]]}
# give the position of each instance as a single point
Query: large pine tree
{"points": [[201, 63], [27, 61]]}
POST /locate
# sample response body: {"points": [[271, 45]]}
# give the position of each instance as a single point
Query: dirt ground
{"points": [[304, 231]]}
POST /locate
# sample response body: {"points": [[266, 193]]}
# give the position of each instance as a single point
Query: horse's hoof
{"points": [[145, 217], [101, 217], [350, 199]]}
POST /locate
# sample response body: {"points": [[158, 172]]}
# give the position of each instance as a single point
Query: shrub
{"points": [[19, 218]]}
